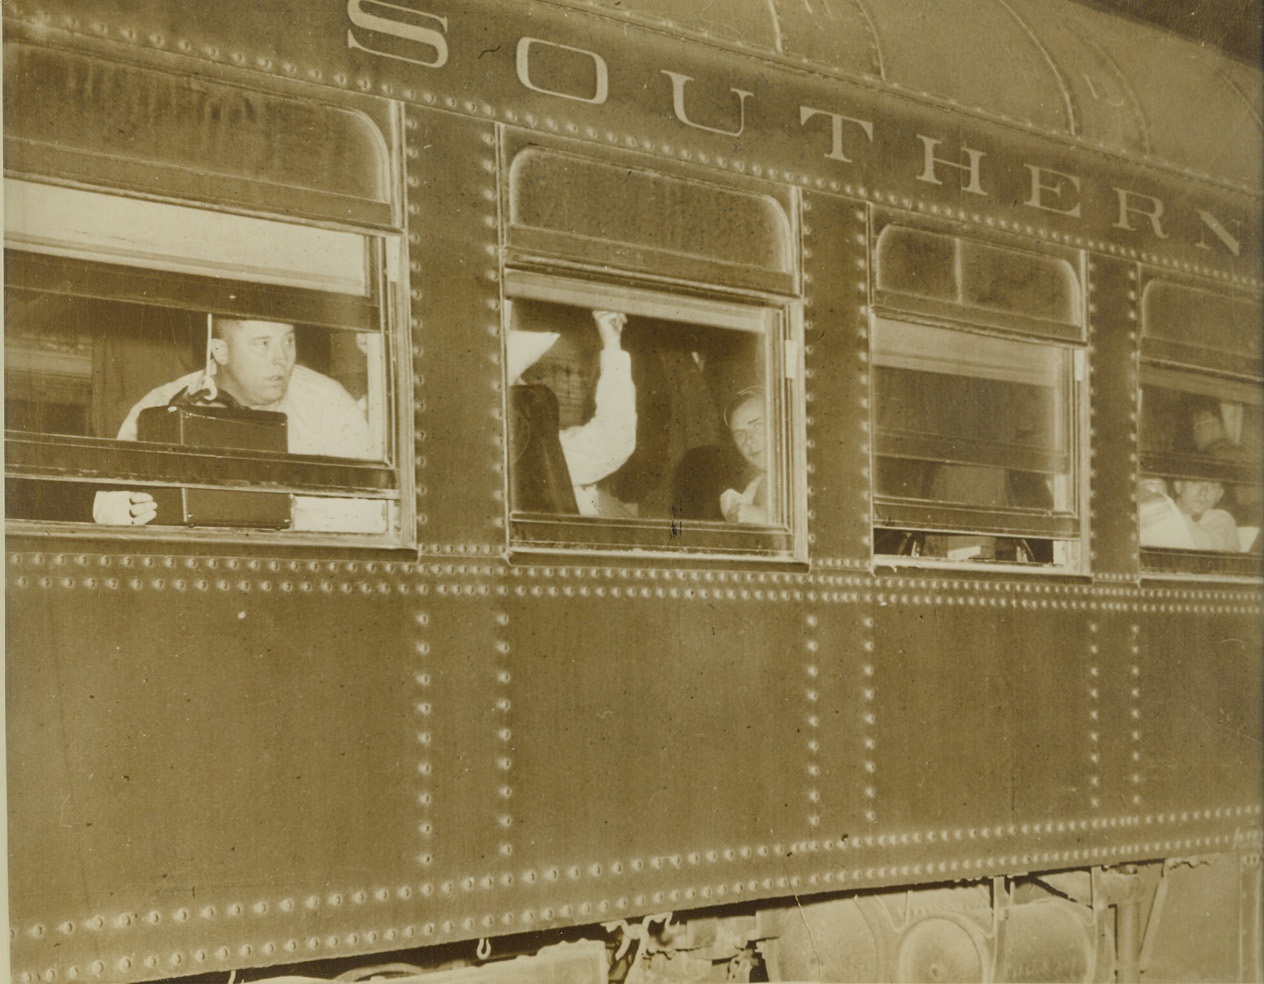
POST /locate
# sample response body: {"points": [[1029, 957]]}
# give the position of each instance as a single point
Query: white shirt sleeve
{"points": [[1164, 525], [595, 449], [157, 397], [326, 420]]}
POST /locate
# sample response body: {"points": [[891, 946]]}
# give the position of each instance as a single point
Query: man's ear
{"points": [[1219, 494], [219, 350]]}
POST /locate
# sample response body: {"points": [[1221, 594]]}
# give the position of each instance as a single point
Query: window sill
{"points": [[172, 535], [660, 539]]}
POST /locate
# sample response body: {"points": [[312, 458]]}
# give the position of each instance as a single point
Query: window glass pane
{"points": [[100, 369], [919, 263], [1018, 282], [176, 135], [1201, 327], [974, 435], [983, 277], [1200, 442], [77, 366], [666, 225], [660, 428]]}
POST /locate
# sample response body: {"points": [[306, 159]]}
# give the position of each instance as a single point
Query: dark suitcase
{"points": [[198, 426]]}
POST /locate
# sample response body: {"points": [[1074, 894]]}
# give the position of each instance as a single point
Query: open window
{"points": [[1199, 494], [683, 436], [677, 438], [975, 402], [109, 301], [126, 244]]}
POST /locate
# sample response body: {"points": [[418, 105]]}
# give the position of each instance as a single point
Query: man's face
{"points": [[746, 423], [256, 359], [1195, 498]]}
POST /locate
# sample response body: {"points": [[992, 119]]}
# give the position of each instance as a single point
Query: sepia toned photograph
{"points": [[633, 491]]}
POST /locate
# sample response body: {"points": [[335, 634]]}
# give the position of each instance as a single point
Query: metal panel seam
{"points": [[1072, 122], [1143, 122], [875, 42], [1237, 91], [777, 41]]}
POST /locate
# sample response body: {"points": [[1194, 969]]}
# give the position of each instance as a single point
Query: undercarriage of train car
{"points": [[1156, 921]]}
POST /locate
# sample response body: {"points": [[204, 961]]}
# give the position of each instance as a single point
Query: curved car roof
{"points": [[1053, 65]]}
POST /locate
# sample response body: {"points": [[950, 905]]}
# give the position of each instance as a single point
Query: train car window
{"points": [[1013, 289], [649, 421], [975, 446], [976, 350], [1200, 431], [116, 312]]}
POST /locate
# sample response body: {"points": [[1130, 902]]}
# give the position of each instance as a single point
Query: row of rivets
{"points": [[423, 680], [447, 549], [244, 585], [1094, 718], [676, 862], [234, 564], [812, 720], [869, 721], [1134, 713], [467, 589], [501, 708], [1134, 594], [417, 324], [809, 422], [1090, 305], [933, 584], [490, 221], [862, 483]]}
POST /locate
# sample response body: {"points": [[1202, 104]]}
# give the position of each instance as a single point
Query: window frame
{"points": [[958, 311], [902, 513], [109, 462], [1067, 529], [1160, 357], [1178, 561], [779, 320]]}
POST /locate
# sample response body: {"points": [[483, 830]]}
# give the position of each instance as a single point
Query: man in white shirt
{"points": [[1189, 520], [254, 362]]}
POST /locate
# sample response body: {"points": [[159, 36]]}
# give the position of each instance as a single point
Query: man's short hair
{"points": [[220, 321]]}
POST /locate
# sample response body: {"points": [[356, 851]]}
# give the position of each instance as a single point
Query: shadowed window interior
{"points": [[672, 437], [1199, 428], [973, 446], [1200, 453]]}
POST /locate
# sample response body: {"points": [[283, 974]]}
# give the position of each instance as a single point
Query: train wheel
{"points": [[824, 941]]}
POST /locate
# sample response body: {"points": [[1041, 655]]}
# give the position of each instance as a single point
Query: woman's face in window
{"points": [[746, 424]]}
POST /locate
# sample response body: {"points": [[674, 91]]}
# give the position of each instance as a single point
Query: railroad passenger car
{"points": [[913, 634]]}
